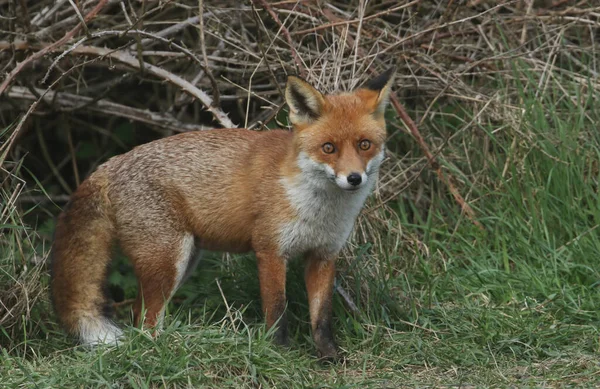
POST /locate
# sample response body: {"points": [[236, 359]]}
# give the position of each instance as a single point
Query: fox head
{"points": [[339, 139]]}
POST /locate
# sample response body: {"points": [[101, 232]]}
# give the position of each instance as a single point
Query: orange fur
{"points": [[276, 193]]}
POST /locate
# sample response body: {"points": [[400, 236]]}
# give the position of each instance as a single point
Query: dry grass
{"points": [[20, 264]]}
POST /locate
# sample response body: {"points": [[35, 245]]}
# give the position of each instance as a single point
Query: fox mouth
{"points": [[347, 189]]}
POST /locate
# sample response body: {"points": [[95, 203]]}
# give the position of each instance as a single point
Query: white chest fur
{"points": [[324, 219]]}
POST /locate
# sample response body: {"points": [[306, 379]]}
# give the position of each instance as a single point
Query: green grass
{"points": [[514, 304]]}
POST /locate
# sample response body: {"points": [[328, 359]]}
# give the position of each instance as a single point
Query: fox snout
{"points": [[347, 176], [351, 181]]}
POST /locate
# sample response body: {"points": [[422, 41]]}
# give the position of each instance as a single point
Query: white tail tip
{"points": [[94, 331]]}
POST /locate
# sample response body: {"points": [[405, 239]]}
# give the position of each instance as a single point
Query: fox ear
{"points": [[305, 102], [382, 86]]}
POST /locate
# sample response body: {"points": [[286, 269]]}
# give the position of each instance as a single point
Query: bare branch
{"points": [[39, 54], [75, 102], [128, 59]]}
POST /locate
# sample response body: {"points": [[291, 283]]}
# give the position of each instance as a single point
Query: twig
{"points": [[174, 29], [181, 98], [412, 37], [361, 13], [63, 198], [286, 34], [354, 21], [529, 4], [73, 157], [16, 192], [39, 54], [5, 148], [346, 298], [483, 63], [207, 69], [432, 160], [264, 56], [558, 3], [80, 16], [40, 18]]}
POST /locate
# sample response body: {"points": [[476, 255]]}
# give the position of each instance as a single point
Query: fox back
{"points": [[280, 194]]}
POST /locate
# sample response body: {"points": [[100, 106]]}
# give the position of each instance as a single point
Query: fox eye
{"points": [[365, 144], [328, 148]]}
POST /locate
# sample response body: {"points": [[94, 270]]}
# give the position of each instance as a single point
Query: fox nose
{"points": [[354, 179]]}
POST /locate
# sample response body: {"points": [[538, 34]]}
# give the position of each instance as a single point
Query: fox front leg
{"points": [[271, 274], [319, 276]]}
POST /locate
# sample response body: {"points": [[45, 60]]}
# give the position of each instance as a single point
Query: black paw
{"points": [[328, 353], [281, 338]]}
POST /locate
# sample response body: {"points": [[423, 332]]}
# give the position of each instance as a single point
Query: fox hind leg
{"points": [[271, 274], [160, 265]]}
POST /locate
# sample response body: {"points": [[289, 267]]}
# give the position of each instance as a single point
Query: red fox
{"points": [[278, 193]]}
